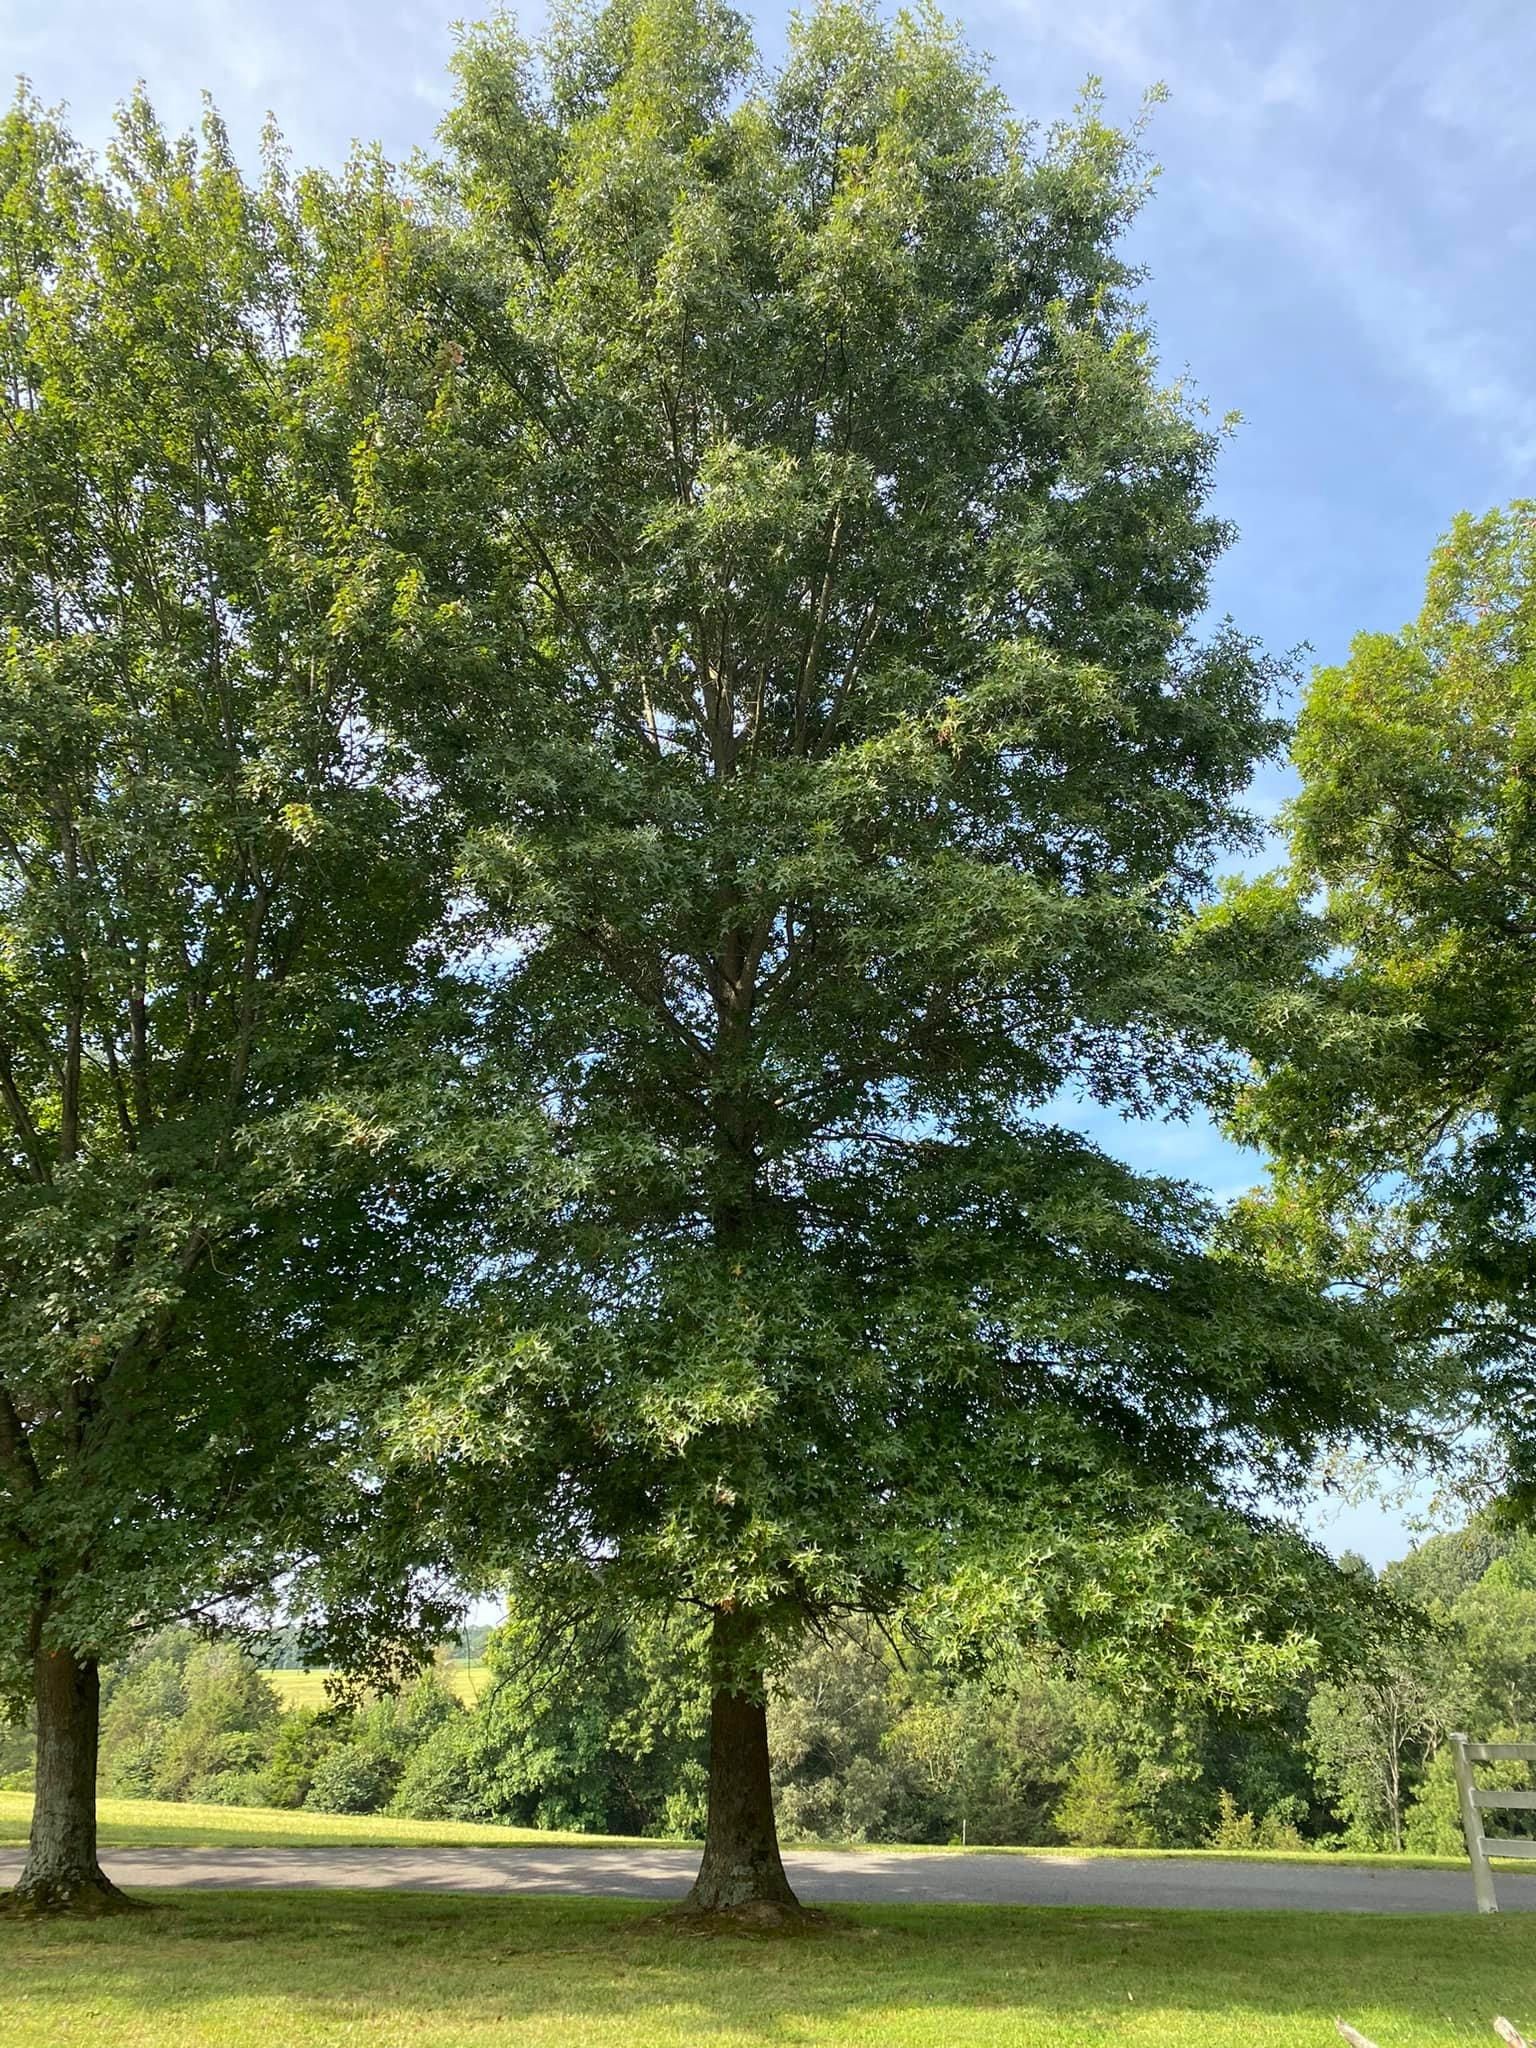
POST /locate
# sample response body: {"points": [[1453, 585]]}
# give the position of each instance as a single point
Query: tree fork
{"points": [[742, 1870], [61, 1873]]}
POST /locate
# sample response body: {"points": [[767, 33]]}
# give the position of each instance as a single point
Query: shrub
{"points": [[349, 1779], [145, 1701], [1098, 1808], [304, 1736], [686, 1808], [17, 1756], [1433, 1826], [1278, 1829], [396, 1725], [237, 1788], [439, 1780], [229, 1724], [1231, 1830], [1234, 1830]]}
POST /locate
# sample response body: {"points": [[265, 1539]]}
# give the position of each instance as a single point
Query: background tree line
{"points": [[870, 1740]]}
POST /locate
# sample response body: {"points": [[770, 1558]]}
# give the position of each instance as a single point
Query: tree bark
{"points": [[61, 1874], [742, 1868]]}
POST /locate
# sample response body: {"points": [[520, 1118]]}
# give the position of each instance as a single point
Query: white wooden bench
{"points": [[1477, 1799]]}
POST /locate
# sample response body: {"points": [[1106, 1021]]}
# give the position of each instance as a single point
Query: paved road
{"points": [[824, 1877]]}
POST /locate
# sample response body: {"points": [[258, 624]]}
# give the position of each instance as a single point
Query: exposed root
{"points": [[755, 1916], [89, 1897]]}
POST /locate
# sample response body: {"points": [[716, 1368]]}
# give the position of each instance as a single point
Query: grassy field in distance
{"points": [[246, 1970], [307, 1688]]}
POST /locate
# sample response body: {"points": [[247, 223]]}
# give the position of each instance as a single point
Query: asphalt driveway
{"points": [[826, 1877]]}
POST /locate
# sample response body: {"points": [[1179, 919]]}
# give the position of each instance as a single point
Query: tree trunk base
{"points": [[90, 1895], [741, 1879], [756, 1916], [742, 1874], [63, 1874], [752, 1890]]}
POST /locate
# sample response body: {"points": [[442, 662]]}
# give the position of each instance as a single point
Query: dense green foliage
{"points": [[595, 749], [772, 532], [213, 885], [1388, 980]]}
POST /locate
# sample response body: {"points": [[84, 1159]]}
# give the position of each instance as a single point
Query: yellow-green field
{"points": [[151, 1823], [307, 1688], [413, 1970]]}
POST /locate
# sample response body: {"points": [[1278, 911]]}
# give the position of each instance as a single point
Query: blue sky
{"points": [[1340, 250]]}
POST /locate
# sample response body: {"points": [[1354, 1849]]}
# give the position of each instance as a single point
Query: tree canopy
{"points": [[215, 882], [601, 748], [1388, 981], [773, 534]]}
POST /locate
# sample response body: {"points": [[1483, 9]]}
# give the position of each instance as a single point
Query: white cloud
{"points": [[1422, 327], [331, 70], [1373, 147]]}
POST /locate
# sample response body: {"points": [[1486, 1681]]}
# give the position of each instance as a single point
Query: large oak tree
{"points": [[787, 555]]}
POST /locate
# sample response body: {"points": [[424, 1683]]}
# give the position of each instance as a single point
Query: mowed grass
{"points": [[308, 1688], [150, 1823], [410, 1970]]}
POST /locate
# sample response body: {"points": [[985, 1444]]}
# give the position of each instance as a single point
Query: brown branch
{"points": [[21, 1120], [806, 677], [652, 994], [74, 1024], [256, 915], [138, 1040], [861, 646], [119, 1093]]}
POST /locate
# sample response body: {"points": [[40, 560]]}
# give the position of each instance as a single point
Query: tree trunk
{"points": [[742, 1867], [61, 1874]]}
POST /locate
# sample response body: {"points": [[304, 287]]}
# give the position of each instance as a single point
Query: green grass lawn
{"points": [[411, 1970], [150, 1823]]}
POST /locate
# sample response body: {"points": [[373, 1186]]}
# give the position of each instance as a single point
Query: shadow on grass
{"points": [[441, 1973]]}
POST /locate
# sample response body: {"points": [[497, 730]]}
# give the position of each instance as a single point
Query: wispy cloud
{"points": [[1425, 329], [1371, 148], [333, 71]]}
